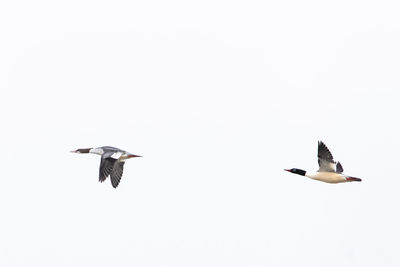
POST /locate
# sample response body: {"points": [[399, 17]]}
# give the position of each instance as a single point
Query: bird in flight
{"points": [[112, 162], [329, 171]]}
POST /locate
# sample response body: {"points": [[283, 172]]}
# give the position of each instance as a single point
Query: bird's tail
{"points": [[353, 179]]}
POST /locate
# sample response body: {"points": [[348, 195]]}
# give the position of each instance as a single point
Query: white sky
{"points": [[219, 97]]}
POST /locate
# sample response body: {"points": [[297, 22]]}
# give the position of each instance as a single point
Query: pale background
{"points": [[219, 97]]}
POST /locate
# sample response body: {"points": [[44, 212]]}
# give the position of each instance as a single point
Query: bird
{"points": [[111, 163], [329, 171]]}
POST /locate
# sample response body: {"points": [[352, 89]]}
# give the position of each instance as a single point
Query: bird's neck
{"points": [[300, 172], [97, 151]]}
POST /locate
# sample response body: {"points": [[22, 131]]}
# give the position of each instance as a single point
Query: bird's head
{"points": [[296, 171], [81, 150]]}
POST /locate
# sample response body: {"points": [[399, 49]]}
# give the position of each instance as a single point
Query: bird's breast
{"points": [[327, 177]]}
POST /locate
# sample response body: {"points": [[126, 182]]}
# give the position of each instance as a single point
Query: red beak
{"points": [[133, 156], [288, 170]]}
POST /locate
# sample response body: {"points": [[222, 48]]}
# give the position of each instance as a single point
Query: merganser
{"points": [[112, 162], [329, 170]]}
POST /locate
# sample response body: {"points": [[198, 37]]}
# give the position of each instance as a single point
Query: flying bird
{"points": [[329, 171], [112, 162]]}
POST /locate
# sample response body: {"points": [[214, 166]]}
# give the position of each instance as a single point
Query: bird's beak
{"points": [[286, 170], [133, 156], [74, 151]]}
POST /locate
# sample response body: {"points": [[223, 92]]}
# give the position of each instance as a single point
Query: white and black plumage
{"points": [[112, 162], [329, 171]]}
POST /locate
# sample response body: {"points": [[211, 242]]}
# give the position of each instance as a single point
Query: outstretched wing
{"points": [[325, 159], [106, 167], [116, 173], [339, 168]]}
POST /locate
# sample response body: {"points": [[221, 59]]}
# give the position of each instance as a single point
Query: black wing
{"points": [[325, 158], [106, 167], [116, 173], [339, 168]]}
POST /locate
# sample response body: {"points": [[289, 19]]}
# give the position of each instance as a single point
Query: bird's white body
{"points": [[327, 177], [329, 171], [111, 163], [120, 155]]}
